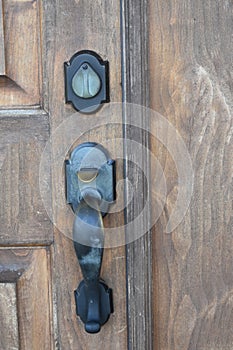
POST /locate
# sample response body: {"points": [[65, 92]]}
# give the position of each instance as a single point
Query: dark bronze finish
{"points": [[90, 184]]}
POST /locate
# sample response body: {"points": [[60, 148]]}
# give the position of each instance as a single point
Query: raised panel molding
{"points": [[9, 335], [22, 140], [138, 253], [25, 294], [20, 61]]}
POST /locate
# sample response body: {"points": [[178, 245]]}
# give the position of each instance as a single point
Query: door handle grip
{"points": [[90, 183], [88, 228]]}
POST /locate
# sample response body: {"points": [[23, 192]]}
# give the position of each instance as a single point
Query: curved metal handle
{"points": [[90, 186], [88, 228]]}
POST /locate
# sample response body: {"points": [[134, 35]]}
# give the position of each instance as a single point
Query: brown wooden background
{"points": [[172, 291], [191, 85], [180, 294]]}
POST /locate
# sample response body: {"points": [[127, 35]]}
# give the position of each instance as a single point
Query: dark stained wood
{"points": [[21, 50], [8, 320], [13, 263], [29, 299], [190, 70], [68, 28], [23, 135], [2, 44], [136, 90], [26, 314], [177, 59]]}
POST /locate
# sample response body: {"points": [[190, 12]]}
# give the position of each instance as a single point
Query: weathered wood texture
{"points": [[70, 27], [191, 85], [21, 84], [136, 90], [22, 139], [26, 283], [24, 273], [2, 44], [8, 320]]}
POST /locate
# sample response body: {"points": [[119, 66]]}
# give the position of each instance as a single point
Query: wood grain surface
{"points": [[9, 337], [135, 35], [23, 136], [191, 85], [71, 27], [177, 59], [26, 314], [21, 83]]}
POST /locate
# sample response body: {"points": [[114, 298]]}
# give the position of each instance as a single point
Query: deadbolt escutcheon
{"points": [[86, 81]]}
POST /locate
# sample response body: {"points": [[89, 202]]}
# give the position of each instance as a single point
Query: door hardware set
{"points": [[86, 81], [90, 190]]}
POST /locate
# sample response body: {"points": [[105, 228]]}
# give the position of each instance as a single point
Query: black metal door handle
{"points": [[90, 189]]}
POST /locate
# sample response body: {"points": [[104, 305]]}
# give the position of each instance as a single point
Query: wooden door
{"points": [[171, 290], [25, 230], [179, 63], [39, 270], [192, 266]]}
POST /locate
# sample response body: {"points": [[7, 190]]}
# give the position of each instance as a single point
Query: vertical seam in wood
{"points": [[17, 308], [53, 325], [132, 60], [40, 60]]}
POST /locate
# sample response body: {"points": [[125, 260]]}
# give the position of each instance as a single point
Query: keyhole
{"points": [[86, 82]]}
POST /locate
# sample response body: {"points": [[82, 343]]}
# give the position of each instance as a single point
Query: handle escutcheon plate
{"points": [[90, 187]]}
